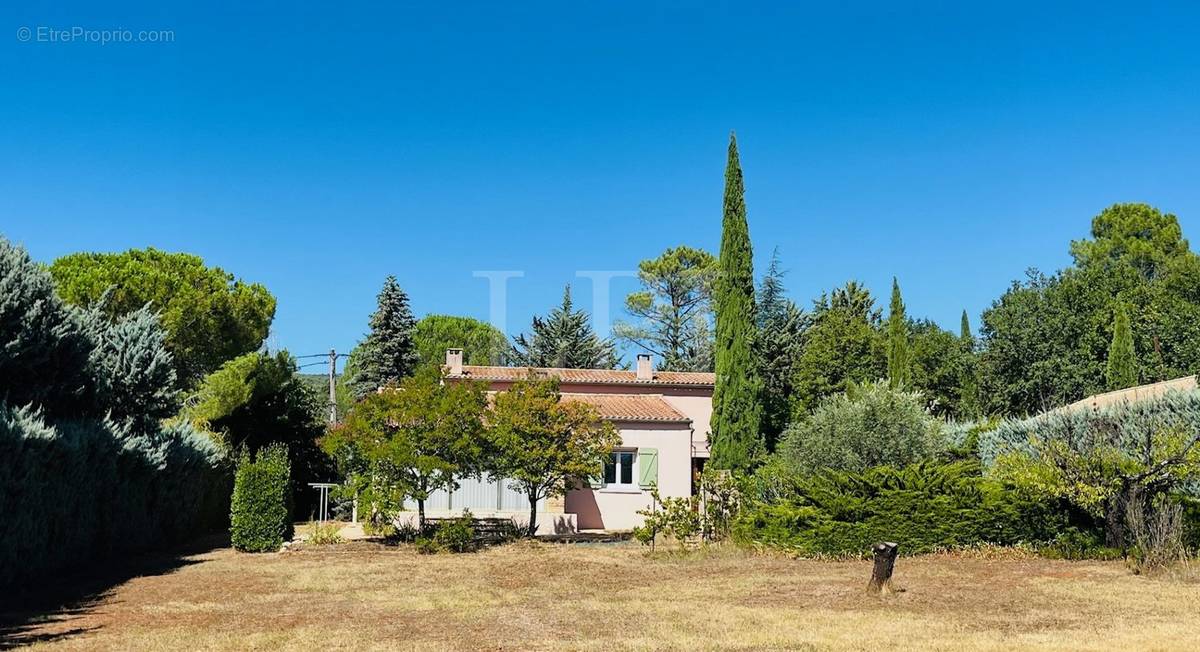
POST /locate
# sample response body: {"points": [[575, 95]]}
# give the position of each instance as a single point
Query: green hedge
{"points": [[923, 507], [80, 490], [87, 467], [260, 513]]}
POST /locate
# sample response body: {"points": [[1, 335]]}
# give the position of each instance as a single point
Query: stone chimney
{"points": [[454, 362], [645, 368]]}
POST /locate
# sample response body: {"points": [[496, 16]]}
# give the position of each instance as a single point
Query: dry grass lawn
{"points": [[363, 596]]}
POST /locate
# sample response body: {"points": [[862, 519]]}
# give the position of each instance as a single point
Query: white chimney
{"points": [[454, 362], [645, 368]]}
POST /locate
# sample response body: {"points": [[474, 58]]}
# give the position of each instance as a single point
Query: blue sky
{"points": [[317, 147]]}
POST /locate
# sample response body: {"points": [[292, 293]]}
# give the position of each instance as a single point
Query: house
{"points": [[662, 417], [1134, 394]]}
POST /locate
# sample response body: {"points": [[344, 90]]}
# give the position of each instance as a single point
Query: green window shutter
{"points": [[647, 467]]}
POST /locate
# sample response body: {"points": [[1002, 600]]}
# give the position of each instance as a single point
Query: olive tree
{"points": [[1102, 460], [868, 425]]}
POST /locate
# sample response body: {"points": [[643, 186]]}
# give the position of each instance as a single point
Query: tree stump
{"points": [[885, 562]]}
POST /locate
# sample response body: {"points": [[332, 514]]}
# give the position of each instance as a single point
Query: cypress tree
{"points": [[389, 352], [1122, 362], [968, 391], [899, 370], [736, 435]]}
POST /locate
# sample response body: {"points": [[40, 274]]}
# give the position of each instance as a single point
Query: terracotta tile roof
{"points": [[631, 407], [591, 376]]}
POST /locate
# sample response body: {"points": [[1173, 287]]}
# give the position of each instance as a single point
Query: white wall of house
{"points": [[488, 497], [615, 506]]}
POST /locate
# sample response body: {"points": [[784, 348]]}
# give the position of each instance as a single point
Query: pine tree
{"points": [[964, 329], [737, 440], [389, 353], [564, 339], [899, 369], [676, 296], [781, 328], [1122, 361]]}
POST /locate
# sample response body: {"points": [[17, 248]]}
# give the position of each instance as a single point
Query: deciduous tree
{"points": [[1045, 342], [419, 437], [541, 442], [1103, 459], [869, 425], [843, 345]]}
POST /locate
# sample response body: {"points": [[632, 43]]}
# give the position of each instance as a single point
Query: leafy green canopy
{"points": [[673, 309], [389, 353], [564, 339], [541, 442], [942, 367], [409, 441], [1137, 235], [481, 343], [737, 438], [841, 347], [868, 425], [209, 316], [1046, 340], [257, 400]]}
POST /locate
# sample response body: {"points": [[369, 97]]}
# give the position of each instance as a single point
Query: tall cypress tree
{"points": [[389, 352], [1122, 361], [899, 369], [968, 391], [736, 435]]}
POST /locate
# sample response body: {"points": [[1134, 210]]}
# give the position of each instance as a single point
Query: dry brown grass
{"points": [[361, 596]]}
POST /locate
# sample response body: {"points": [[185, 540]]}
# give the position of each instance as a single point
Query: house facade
{"points": [[663, 420]]}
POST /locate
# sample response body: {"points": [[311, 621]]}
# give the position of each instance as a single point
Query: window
{"points": [[618, 470]]}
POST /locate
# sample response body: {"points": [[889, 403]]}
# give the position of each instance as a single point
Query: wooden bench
{"points": [[488, 529]]}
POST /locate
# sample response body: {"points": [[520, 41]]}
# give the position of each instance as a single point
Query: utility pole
{"points": [[333, 386]]}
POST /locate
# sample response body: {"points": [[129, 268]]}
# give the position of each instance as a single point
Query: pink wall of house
{"points": [[641, 426], [616, 507]]}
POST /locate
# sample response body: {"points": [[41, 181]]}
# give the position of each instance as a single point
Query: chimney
{"points": [[454, 362], [645, 368]]}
